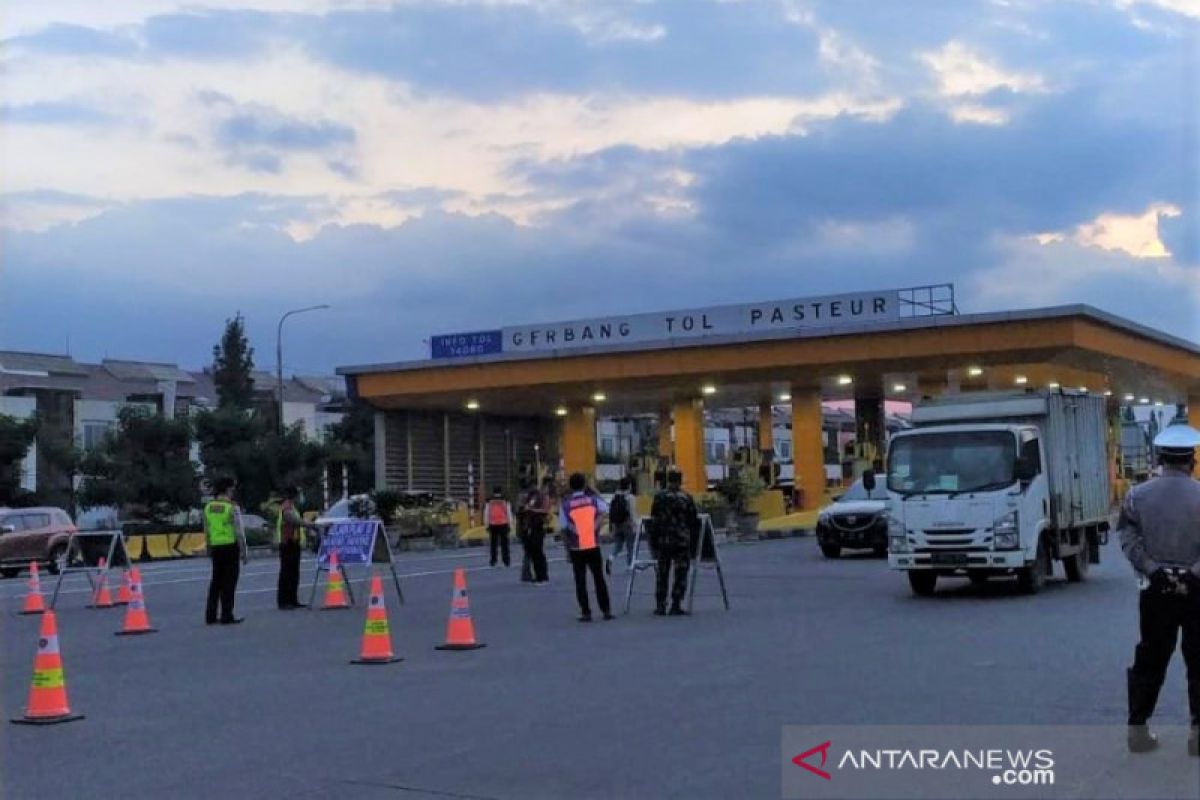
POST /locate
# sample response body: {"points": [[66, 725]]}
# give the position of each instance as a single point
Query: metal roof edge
{"points": [[912, 323]]}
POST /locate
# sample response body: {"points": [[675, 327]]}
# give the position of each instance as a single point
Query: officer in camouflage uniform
{"points": [[674, 522]]}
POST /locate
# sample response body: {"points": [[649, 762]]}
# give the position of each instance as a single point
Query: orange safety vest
{"points": [[497, 512], [583, 519]]}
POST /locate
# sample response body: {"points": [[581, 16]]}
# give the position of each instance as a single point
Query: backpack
{"points": [[497, 512], [618, 509]]}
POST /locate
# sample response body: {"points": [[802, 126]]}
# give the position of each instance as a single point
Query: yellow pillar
{"points": [[766, 427], [665, 452], [579, 441], [808, 448], [1193, 417], [689, 445]]}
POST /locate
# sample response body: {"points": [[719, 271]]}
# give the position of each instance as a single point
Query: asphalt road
{"points": [[642, 707]]}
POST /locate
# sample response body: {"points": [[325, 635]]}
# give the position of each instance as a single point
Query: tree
{"points": [[233, 361], [16, 436], [352, 441], [143, 466], [245, 447]]}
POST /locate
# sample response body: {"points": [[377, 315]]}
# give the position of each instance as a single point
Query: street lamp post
{"points": [[279, 354]]}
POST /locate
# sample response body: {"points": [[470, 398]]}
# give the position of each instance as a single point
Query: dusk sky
{"points": [[429, 166]]}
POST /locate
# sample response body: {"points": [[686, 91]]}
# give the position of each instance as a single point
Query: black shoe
{"points": [[661, 611], [608, 615], [210, 621], [299, 605], [1141, 740], [233, 621], [677, 611], [585, 617], [1194, 740]]}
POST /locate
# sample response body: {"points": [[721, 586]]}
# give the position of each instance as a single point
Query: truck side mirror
{"points": [[868, 479]]}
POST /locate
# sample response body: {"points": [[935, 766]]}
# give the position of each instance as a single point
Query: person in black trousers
{"points": [[534, 511], [227, 548], [579, 518], [287, 535]]}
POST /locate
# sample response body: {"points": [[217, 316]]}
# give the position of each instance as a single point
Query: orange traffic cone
{"points": [[377, 639], [33, 601], [136, 619], [101, 598], [48, 691], [460, 632], [123, 594], [335, 588]]}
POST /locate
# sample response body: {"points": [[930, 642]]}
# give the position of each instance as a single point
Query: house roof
{"points": [[146, 371], [42, 363], [117, 380]]}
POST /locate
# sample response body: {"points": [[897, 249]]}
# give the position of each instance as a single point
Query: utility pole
{"points": [[279, 354]]}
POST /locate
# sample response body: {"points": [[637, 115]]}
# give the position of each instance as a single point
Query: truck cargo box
{"points": [[1073, 437]]}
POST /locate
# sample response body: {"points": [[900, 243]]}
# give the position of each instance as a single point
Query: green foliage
{"points": [[352, 441], [712, 503], [142, 466], [387, 504], [243, 445], [16, 436], [233, 361], [362, 507], [741, 488]]}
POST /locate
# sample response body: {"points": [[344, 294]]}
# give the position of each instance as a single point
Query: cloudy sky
{"points": [[427, 166]]}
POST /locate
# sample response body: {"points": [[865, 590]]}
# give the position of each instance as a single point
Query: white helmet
{"points": [[1178, 439]]}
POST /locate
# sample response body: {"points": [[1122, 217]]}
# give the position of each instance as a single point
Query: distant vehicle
{"points": [[33, 534], [856, 519], [258, 530], [340, 511], [999, 484]]}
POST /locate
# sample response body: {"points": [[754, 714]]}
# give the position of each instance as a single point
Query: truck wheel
{"points": [[57, 555], [922, 583], [1076, 566], [1031, 579], [831, 550], [880, 551]]}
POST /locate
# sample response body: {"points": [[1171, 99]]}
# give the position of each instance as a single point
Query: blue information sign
{"points": [[461, 345], [352, 540]]}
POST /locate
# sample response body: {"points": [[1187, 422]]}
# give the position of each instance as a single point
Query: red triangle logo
{"points": [[801, 760]]}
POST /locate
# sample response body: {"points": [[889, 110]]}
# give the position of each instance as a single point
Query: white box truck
{"points": [[999, 484]]}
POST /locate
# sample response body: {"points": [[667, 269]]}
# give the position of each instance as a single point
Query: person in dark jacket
{"points": [[674, 524]]}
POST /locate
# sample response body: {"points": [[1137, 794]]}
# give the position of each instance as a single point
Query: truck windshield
{"points": [[952, 463]]}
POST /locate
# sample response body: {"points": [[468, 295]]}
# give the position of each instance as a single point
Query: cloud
{"points": [[53, 113], [1135, 235], [41, 209], [75, 40], [1163, 295], [961, 70], [420, 164], [257, 137]]}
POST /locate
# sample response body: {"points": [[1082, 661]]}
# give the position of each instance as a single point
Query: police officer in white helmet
{"points": [[1160, 534]]}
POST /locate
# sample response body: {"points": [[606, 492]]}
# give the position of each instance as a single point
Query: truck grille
{"points": [[952, 539]]}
